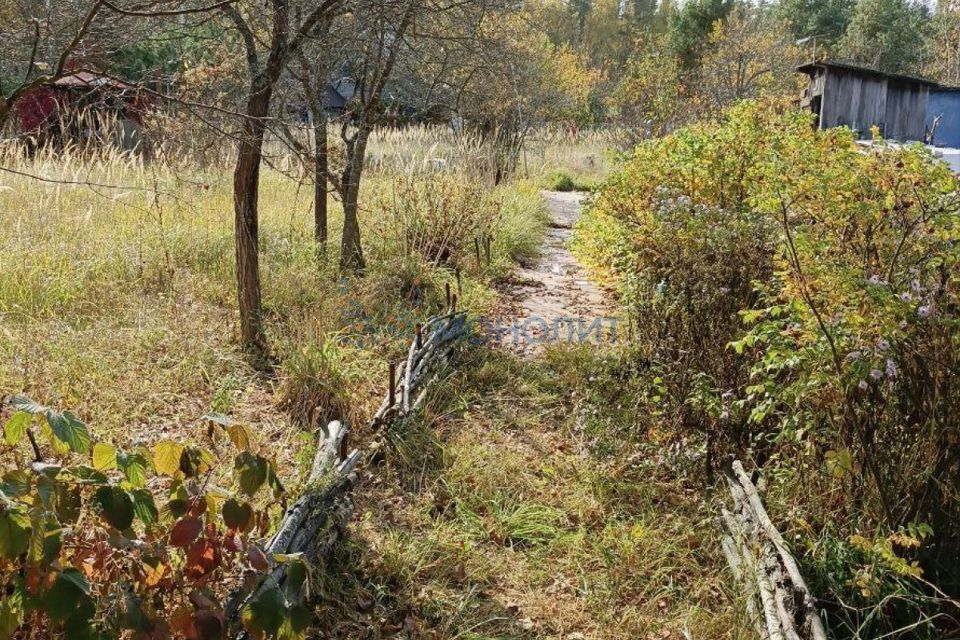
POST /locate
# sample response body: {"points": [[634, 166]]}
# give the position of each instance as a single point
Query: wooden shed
{"points": [[860, 98]]}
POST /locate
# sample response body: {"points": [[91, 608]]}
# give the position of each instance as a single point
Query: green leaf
{"points": [[134, 467], [238, 515], [77, 626], [265, 613], [220, 419], [297, 585], [299, 618], [116, 505], [21, 402], [252, 471], [52, 545], [166, 457], [69, 430], [47, 470], [133, 616], [76, 577], [88, 475], [16, 483], [16, 427], [104, 456], [69, 503], [11, 613], [62, 598], [274, 481], [14, 533], [144, 507]]}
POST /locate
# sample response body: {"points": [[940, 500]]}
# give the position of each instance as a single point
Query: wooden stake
{"points": [[447, 286], [459, 283], [453, 305], [419, 330], [476, 245], [393, 383]]}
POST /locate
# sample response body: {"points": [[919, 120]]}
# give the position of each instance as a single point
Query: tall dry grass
{"points": [[117, 294]]}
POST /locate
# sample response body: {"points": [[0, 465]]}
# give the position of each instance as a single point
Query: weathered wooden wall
{"points": [[860, 101]]}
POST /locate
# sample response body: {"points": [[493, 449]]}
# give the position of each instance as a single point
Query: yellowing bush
{"points": [[797, 292]]}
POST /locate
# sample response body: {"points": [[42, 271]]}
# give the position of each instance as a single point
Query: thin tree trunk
{"points": [[321, 167], [246, 183], [351, 250]]}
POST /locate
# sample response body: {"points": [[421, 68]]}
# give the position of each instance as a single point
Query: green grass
{"points": [[561, 180], [119, 303], [520, 526]]}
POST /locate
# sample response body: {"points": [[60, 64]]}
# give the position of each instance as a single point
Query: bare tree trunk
{"points": [[351, 251], [246, 183], [315, 92], [321, 166]]}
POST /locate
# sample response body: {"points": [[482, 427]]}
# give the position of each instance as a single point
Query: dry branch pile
{"points": [[779, 603], [313, 525]]}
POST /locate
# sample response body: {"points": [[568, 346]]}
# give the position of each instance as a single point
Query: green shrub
{"points": [[98, 542], [559, 180], [562, 180], [841, 263]]}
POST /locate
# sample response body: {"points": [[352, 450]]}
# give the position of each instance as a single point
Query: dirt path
{"points": [[555, 300]]}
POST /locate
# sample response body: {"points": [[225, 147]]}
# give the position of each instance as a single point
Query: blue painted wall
{"points": [[948, 104]]}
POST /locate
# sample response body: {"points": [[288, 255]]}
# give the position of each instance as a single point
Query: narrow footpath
{"points": [[523, 505], [544, 299]]}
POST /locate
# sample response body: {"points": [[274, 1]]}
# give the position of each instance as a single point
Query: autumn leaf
{"points": [[185, 531]]}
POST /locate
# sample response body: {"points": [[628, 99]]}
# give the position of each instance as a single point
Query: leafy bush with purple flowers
{"points": [[841, 375]]}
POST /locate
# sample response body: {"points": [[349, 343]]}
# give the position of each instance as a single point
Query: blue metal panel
{"points": [[945, 102]]}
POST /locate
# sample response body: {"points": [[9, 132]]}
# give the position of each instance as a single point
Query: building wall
{"points": [[860, 101], [946, 103], [906, 110]]}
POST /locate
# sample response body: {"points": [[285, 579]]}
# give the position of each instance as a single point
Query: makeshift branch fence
{"points": [[318, 519], [779, 604]]}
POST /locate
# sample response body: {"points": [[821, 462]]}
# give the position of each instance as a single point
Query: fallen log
{"points": [[315, 521], [779, 603], [313, 525]]}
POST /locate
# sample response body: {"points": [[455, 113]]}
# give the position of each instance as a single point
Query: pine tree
{"points": [[886, 35]]}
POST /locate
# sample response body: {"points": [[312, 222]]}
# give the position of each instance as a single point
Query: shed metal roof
{"points": [[810, 67]]}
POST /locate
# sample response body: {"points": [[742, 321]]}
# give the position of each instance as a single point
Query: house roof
{"points": [[812, 67]]}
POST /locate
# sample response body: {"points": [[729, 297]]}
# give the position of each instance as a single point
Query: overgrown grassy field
{"points": [[512, 510], [117, 293]]}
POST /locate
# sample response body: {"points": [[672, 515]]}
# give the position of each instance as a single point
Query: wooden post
{"points": [[419, 330], [476, 246], [393, 383], [447, 287], [453, 305], [459, 283]]}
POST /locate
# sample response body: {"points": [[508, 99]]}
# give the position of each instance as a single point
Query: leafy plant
{"points": [[97, 541], [798, 295]]}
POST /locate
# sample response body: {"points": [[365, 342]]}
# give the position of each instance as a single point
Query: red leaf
{"points": [[231, 542], [202, 558], [208, 625], [185, 531], [257, 558], [182, 623]]}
